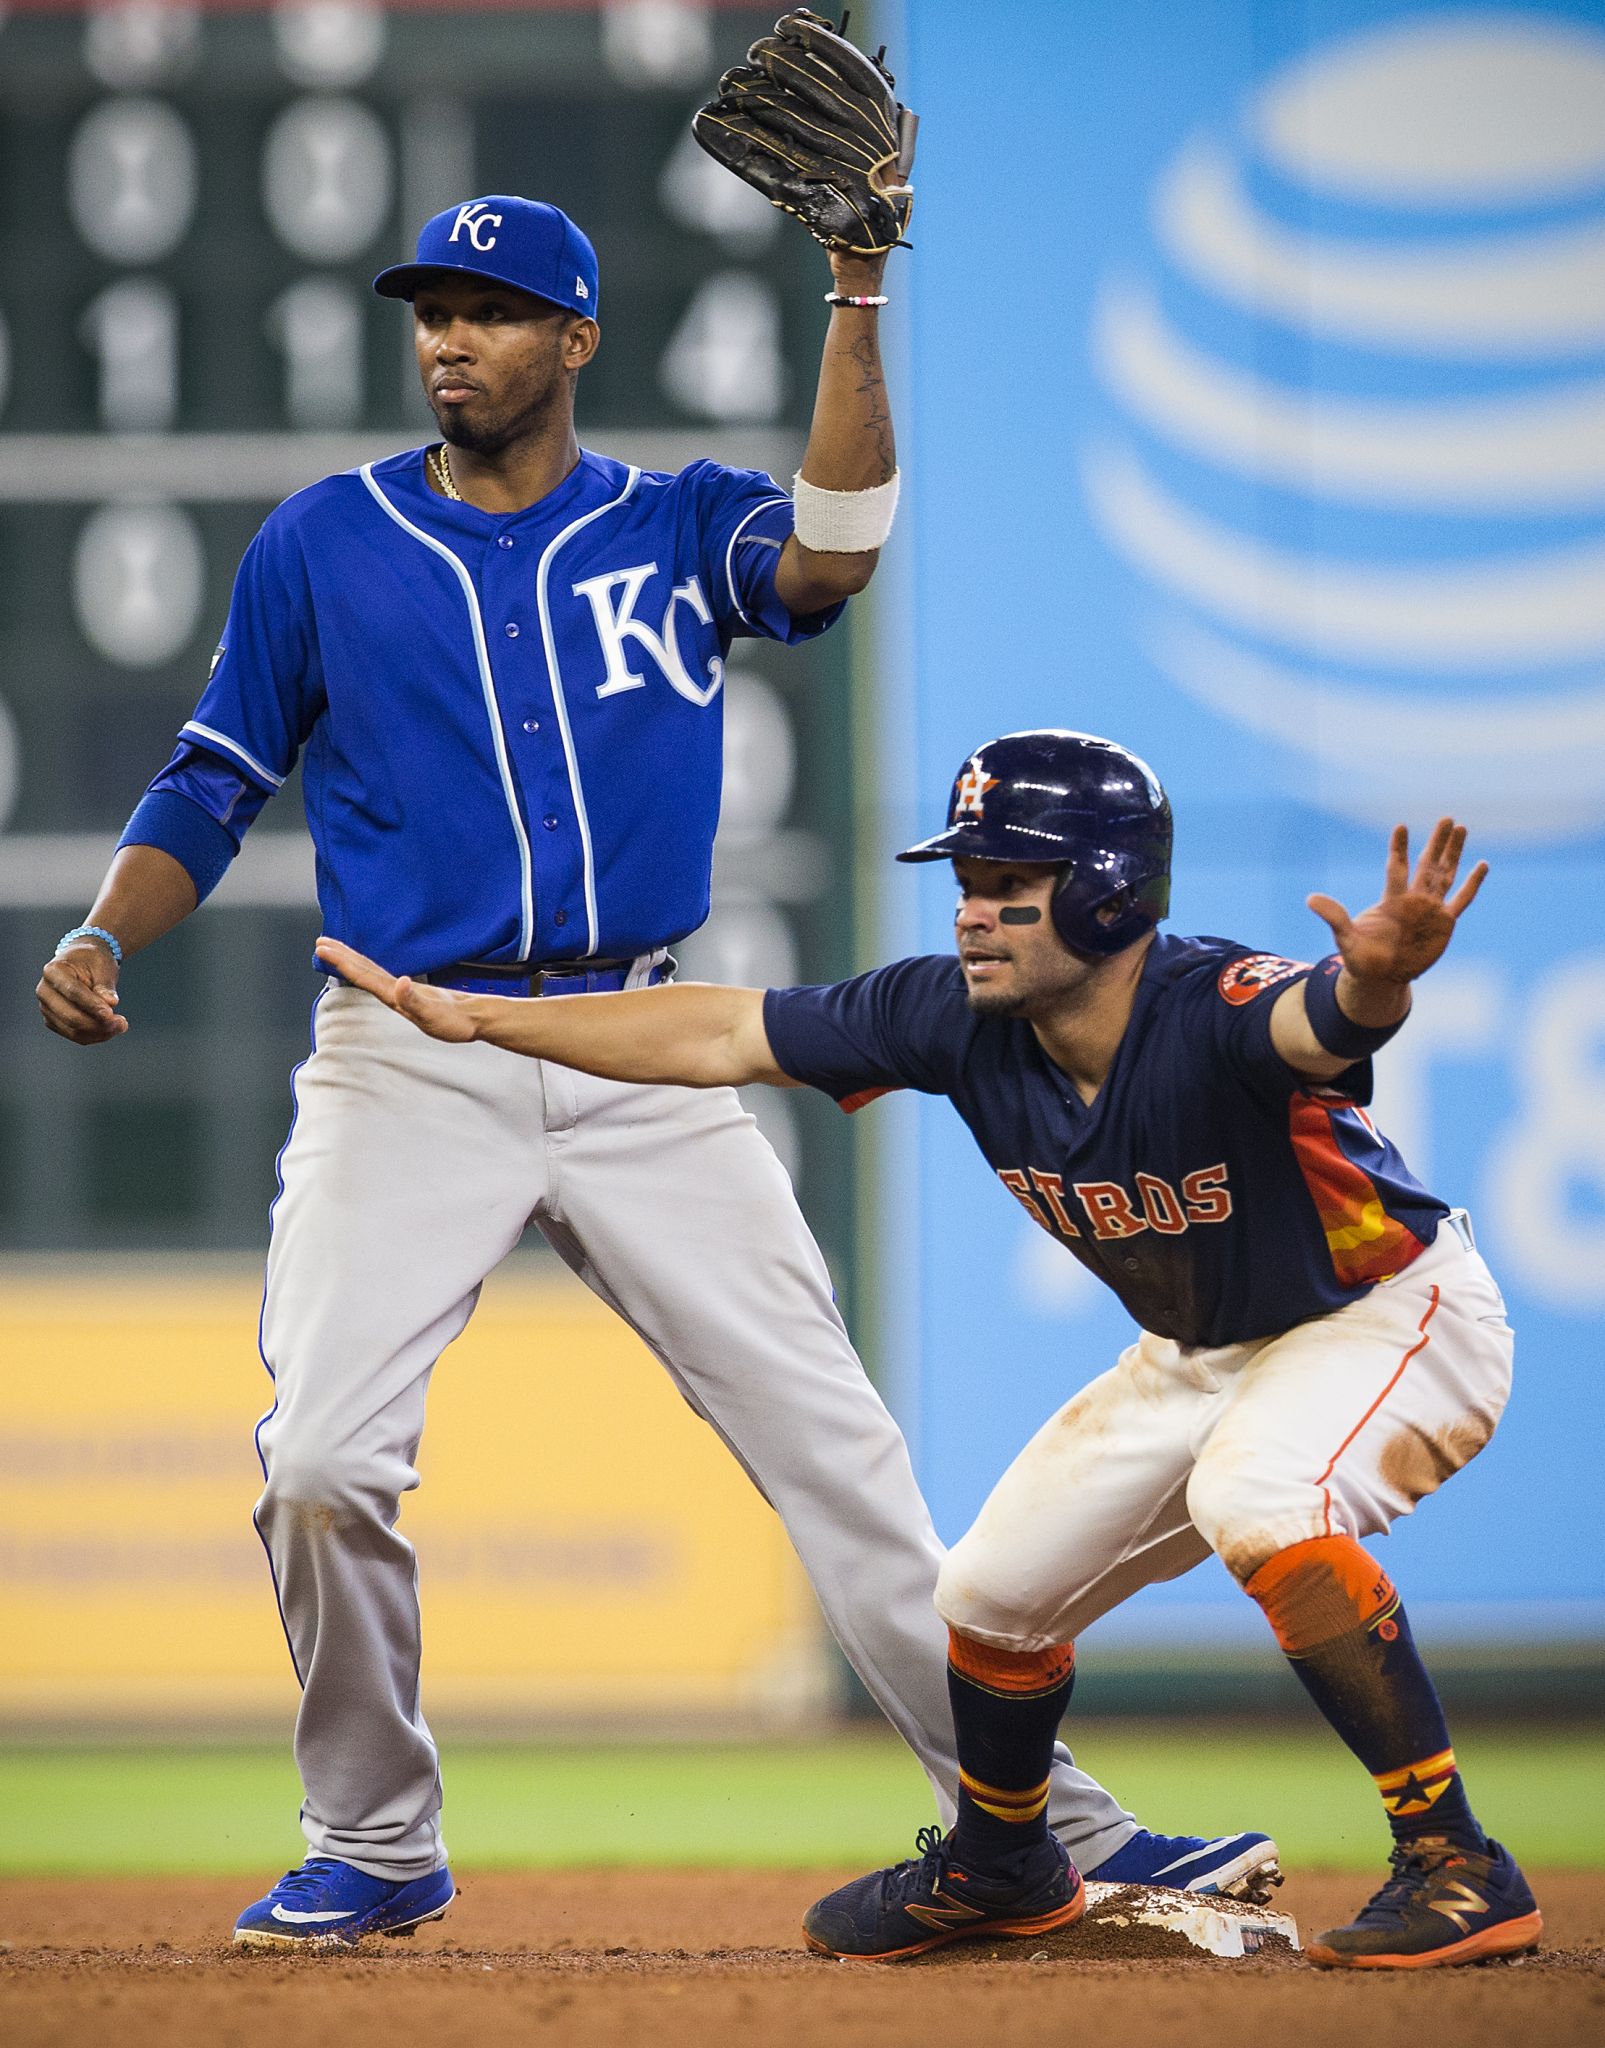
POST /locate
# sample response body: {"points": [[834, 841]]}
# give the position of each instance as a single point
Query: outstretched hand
{"points": [[1402, 934], [442, 1012]]}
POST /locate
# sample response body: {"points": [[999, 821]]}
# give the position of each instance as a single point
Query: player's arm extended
{"points": [[1382, 951], [850, 444], [692, 1033]]}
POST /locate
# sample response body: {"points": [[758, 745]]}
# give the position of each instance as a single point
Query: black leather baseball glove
{"points": [[814, 124]]}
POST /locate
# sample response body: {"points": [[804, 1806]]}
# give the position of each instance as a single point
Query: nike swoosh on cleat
{"points": [[1210, 1850], [303, 1919]]}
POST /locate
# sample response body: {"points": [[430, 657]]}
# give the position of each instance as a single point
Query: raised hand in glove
{"points": [[814, 125]]}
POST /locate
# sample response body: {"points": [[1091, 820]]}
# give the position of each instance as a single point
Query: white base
{"points": [[1221, 1927]]}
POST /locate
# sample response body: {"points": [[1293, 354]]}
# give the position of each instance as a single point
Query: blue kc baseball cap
{"points": [[505, 240]]}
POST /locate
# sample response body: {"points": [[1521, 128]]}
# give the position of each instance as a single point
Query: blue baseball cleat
{"points": [[1442, 1904], [1236, 1866], [328, 1904], [929, 1901]]}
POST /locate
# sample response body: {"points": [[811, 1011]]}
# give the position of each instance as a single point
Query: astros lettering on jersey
{"points": [[1218, 1192]]}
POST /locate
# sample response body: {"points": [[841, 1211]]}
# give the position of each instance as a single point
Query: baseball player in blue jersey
{"points": [[499, 659], [1320, 1344]]}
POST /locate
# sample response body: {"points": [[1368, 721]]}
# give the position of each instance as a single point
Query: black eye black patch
{"points": [[1020, 913]]}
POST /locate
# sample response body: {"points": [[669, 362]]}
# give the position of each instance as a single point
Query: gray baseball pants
{"points": [[411, 1170]]}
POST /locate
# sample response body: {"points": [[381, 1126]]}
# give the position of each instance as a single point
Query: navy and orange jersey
{"points": [[1222, 1195]]}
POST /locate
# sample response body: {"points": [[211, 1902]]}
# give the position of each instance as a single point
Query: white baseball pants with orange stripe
{"points": [[1335, 1428]]}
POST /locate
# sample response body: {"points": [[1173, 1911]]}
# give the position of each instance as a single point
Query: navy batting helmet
{"points": [[1082, 802]]}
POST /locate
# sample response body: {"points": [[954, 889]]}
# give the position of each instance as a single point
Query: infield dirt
{"points": [[714, 1957]]}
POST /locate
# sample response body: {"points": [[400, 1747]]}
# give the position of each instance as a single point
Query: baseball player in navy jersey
{"points": [[1320, 1343], [499, 659]]}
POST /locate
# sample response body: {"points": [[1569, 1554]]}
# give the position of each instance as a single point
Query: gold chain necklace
{"points": [[443, 475]]}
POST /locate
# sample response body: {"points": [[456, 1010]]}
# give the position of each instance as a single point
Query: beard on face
{"points": [[1049, 984], [489, 435], [995, 1002], [987, 1000]]}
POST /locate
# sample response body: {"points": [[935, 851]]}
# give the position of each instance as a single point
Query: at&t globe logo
{"points": [[1358, 448]]}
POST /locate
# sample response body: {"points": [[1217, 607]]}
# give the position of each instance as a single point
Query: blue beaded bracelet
{"points": [[91, 931]]}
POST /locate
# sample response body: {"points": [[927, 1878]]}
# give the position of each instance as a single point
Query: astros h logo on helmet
{"points": [[972, 789]]}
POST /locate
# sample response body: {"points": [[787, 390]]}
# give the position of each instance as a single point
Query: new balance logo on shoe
{"points": [[1458, 1900], [944, 1912]]}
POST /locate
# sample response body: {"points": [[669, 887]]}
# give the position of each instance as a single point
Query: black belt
{"points": [[551, 978]]}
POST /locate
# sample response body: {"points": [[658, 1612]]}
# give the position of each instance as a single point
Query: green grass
{"points": [[853, 1801]]}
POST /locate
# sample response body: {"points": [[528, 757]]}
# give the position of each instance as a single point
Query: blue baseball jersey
{"points": [[511, 723], [1221, 1194]]}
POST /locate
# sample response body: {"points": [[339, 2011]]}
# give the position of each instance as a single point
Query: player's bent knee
{"points": [[982, 1601], [316, 1484], [1227, 1508]]}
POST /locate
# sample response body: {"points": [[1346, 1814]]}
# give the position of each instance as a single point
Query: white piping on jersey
{"points": [[730, 551], [526, 929], [555, 676], [221, 739]]}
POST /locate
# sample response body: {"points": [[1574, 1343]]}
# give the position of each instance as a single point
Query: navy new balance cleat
{"points": [[1443, 1904], [928, 1901], [328, 1904], [1232, 1866]]}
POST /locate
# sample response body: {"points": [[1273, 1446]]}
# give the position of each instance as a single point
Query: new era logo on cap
{"points": [[505, 240]]}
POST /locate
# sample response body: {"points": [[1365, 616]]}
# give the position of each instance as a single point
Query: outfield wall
{"points": [[1256, 358], [588, 1548]]}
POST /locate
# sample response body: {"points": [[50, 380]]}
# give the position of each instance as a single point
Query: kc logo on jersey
{"points": [[1242, 980], [972, 789], [474, 216], [613, 598]]}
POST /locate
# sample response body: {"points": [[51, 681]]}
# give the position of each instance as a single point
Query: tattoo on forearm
{"points": [[877, 413]]}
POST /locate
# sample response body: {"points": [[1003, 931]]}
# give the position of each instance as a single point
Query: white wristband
{"points": [[845, 522]]}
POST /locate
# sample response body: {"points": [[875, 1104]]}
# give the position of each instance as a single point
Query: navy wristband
{"points": [[1337, 1034]]}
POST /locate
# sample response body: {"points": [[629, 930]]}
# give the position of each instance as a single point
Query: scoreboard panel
{"points": [[193, 201], [190, 229]]}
